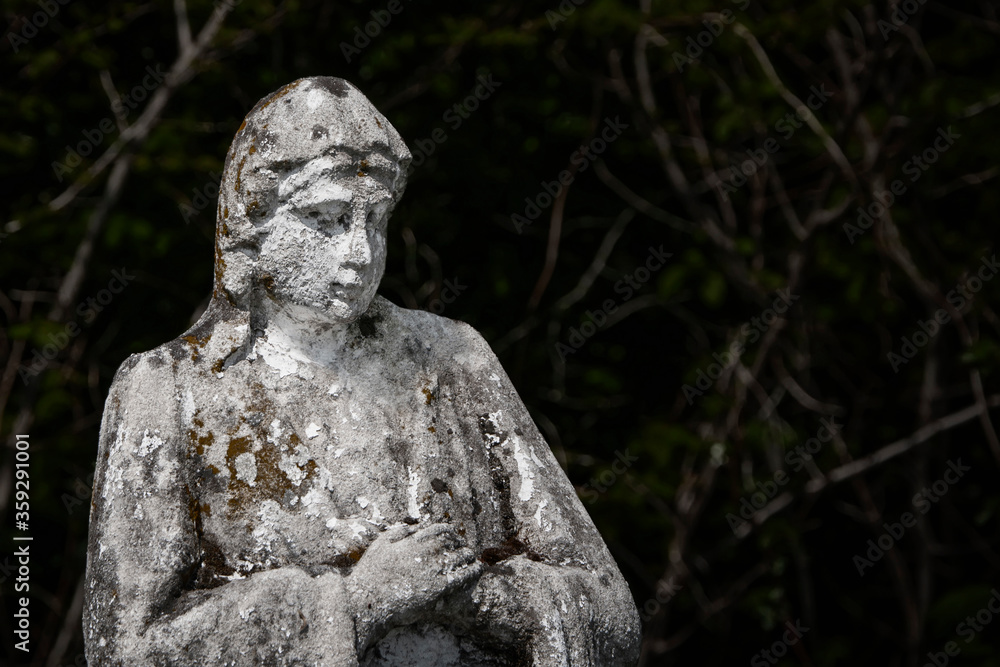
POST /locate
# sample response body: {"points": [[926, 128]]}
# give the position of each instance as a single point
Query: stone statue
{"points": [[315, 476]]}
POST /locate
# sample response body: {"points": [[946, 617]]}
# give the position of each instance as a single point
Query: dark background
{"points": [[724, 594]]}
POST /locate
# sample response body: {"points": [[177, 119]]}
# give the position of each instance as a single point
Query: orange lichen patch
{"points": [[242, 125], [253, 149], [309, 468], [281, 93], [196, 344], [197, 444], [252, 206], [271, 483], [225, 216], [348, 559], [197, 510], [203, 442], [239, 173], [432, 429], [428, 394], [194, 509], [237, 446], [213, 562], [220, 263], [217, 366], [267, 280], [363, 168], [378, 123]]}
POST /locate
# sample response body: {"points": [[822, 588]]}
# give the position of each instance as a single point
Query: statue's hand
{"points": [[406, 571]]}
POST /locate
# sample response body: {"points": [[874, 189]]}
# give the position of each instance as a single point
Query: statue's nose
{"points": [[359, 251]]}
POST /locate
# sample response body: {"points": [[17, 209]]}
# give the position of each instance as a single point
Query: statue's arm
{"points": [[144, 549], [567, 580]]}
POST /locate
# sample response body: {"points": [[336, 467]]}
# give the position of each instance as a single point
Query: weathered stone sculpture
{"points": [[314, 476]]}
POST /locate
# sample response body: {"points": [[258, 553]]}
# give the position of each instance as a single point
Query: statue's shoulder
{"points": [[220, 338], [446, 338], [143, 388], [141, 368], [207, 347]]}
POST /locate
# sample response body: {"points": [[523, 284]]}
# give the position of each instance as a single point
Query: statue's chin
{"points": [[347, 311], [337, 310]]}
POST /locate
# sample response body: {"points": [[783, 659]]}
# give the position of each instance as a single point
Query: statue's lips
{"points": [[345, 289]]}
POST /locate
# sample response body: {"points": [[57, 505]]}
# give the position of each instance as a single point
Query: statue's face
{"points": [[325, 245]]}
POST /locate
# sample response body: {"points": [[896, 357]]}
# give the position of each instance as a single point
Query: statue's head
{"points": [[310, 181]]}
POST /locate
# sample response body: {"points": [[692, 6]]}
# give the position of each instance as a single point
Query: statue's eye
{"points": [[328, 221]]}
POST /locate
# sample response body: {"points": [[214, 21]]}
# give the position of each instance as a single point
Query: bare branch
{"points": [[863, 465], [183, 26], [640, 204], [831, 146], [599, 262], [113, 97], [180, 71], [552, 247]]}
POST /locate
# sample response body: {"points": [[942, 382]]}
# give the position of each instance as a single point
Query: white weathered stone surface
{"points": [[314, 476]]}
